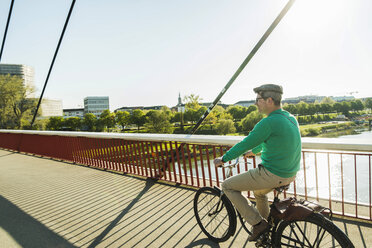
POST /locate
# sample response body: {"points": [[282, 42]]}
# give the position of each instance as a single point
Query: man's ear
{"points": [[270, 100]]}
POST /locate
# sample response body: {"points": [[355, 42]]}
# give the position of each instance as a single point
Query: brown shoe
{"points": [[259, 229]]}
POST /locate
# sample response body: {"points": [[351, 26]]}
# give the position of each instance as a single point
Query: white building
{"points": [[51, 107], [96, 104], [24, 71], [343, 98], [76, 112], [245, 103]]}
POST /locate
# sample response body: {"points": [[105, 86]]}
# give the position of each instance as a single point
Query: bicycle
{"points": [[292, 223]]}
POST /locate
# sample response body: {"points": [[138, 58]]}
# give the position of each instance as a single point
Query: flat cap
{"points": [[269, 87]]}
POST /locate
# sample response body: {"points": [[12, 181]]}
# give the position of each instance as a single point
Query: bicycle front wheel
{"points": [[214, 214], [314, 231]]}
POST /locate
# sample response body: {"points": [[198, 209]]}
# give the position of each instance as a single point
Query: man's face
{"points": [[261, 104]]}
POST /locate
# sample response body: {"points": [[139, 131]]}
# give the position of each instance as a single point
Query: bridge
{"points": [[103, 190]]}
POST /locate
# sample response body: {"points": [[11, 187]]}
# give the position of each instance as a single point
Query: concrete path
{"points": [[47, 203]]}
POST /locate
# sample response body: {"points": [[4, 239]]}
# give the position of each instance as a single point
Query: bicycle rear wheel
{"points": [[215, 216], [314, 231]]}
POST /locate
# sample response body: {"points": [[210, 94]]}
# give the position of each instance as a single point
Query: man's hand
{"points": [[218, 162], [249, 154]]}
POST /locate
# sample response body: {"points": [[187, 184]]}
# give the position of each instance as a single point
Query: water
{"points": [[366, 135]]}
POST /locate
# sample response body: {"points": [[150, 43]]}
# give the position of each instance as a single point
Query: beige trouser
{"points": [[261, 182]]}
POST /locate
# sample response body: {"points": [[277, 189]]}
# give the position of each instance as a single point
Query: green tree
{"points": [[55, 123], [328, 100], [107, 119], [357, 105], [15, 106], [368, 103], [176, 117], [251, 120], [158, 122], [138, 118], [311, 109], [326, 108], [345, 108], [191, 115], [73, 123], [224, 126], [192, 101], [122, 118], [338, 107], [291, 108], [237, 112], [90, 122], [302, 108], [250, 109]]}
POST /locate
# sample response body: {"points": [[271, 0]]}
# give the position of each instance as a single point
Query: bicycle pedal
{"points": [[263, 241]]}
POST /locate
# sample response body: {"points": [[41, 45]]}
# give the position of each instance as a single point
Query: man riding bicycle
{"points": [[278, 139]]}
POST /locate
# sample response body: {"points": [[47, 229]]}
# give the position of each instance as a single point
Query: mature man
{"points": [[277, 138]]}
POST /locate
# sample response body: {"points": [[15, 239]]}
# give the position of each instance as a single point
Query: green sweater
{"points": [[278, 138]]}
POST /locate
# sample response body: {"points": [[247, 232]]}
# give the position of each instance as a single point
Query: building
{"points": [[76, 112], [245, 103], [307, 99], [207, 104], [96, 104], [343, 98], [130, 109], [24, 71], [50, 107]]}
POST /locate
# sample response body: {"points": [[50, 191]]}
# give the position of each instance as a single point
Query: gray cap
{"points": [[269, 87]]}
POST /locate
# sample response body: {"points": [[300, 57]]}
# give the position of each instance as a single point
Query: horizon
{"points": [[230, 104], [134, 52]]}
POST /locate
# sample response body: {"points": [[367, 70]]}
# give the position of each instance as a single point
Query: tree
{"points": [[251, 120], [90, 121], [55, 123], [328, 100], [167, 111], [326, 108], [138, 118], [302, 108], [176, 117], [338, 107], [357, 105], [368, 103], [250, 109], [311, 109], [191, 115], [158, 122], [15, 106], [192, 101], [224, 127], [122, 118], [291, 108], [107, 119], [345, 108], [73, 123], [237, 112]]}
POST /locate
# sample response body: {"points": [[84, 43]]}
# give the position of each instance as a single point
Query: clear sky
{"points": [[145, 52]]}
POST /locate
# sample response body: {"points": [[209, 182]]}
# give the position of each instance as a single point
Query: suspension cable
{"points": [[6, 28], [54, 58]]}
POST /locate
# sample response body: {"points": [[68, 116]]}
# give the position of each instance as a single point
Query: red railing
{"points": [[339, 179]]}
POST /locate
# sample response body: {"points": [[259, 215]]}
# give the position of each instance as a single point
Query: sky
{"points": [[146, 52]]}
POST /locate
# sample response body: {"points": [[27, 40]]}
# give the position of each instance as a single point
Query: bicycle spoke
{"points": [[319, 237], [293, 240], [303, 233]]}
